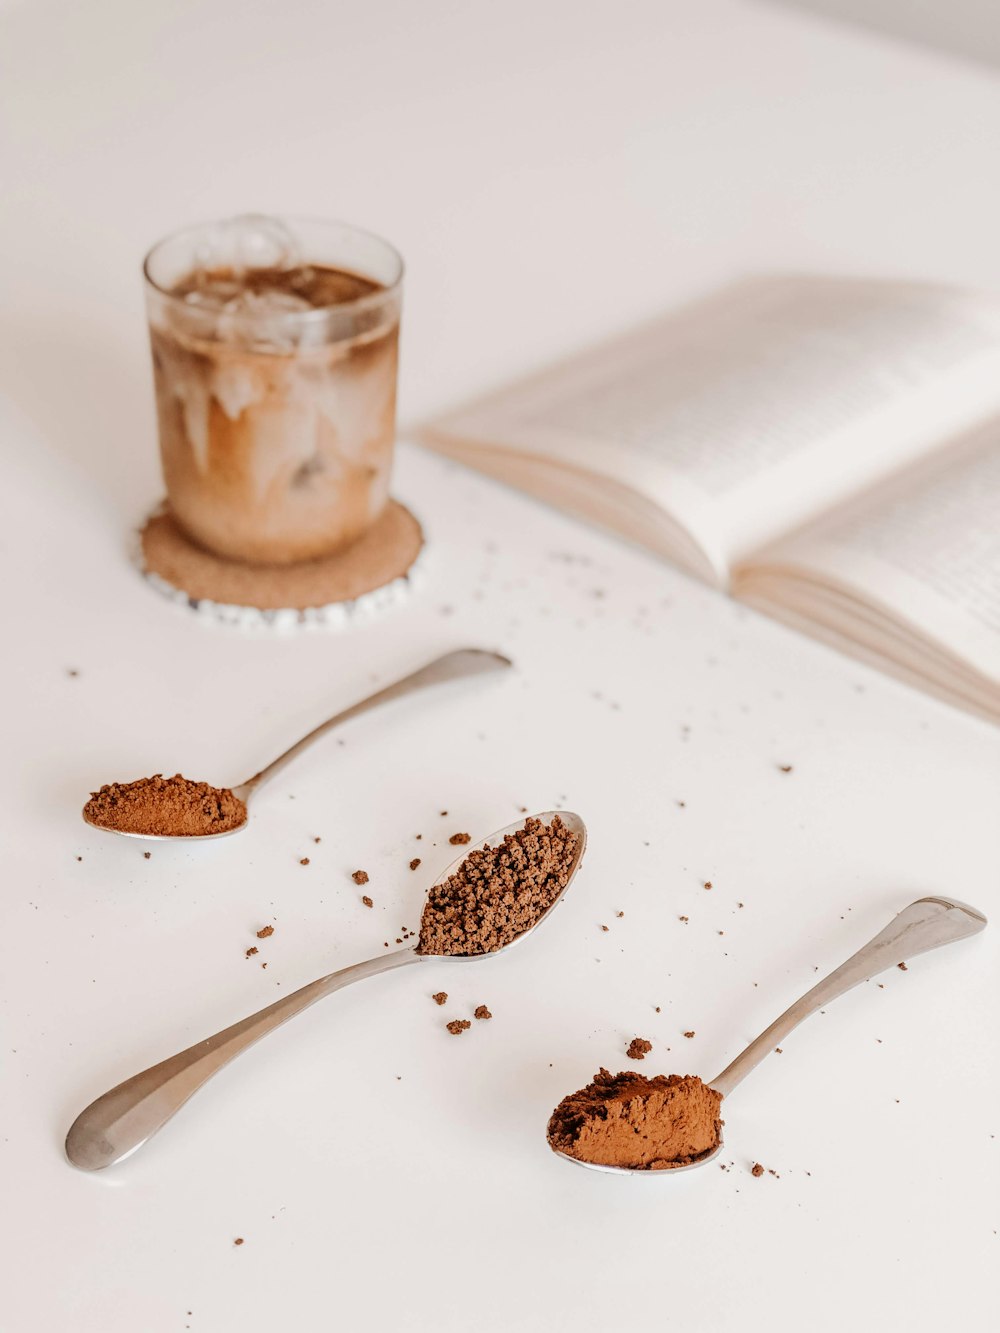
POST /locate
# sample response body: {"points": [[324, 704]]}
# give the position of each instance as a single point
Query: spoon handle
{"points": [[124, 1118], [925, 924], [461, 663]]}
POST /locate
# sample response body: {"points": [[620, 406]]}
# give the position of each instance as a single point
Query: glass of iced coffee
{"points": [[274, 357]]}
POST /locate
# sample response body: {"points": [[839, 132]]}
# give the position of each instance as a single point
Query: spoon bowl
{"points": [[169, 837], [645, 1171], [457, 665], [925, 924], [575, 825], [116, 1124]]}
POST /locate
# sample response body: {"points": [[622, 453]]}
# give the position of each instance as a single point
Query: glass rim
{"points": [[360, 303]]}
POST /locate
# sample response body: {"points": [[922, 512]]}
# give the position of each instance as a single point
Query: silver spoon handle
{"points": [[124, 1118], [925, 924], [452, 666]]}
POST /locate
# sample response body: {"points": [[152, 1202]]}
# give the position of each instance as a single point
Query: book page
{"points": [[750, 412], [913, 570]]}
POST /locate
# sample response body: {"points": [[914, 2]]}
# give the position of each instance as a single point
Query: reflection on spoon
{"points": [[169, 809], [123, 1119], [594, 1127]]}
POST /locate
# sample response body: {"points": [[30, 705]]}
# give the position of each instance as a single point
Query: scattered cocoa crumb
{"points": [[72, 671], [360, 877], [683, 918], [146, 855], [317, 839], [657, 1008], [499, 892], [366, 900], [252, 950], [481, 1012], [619, 914], [604, 927], [707, 884], [172, 807], [460, 839], [419, 837], [689, 1034], [902, 967], [785, 768], [263, 965], [79, 858], [238, 1240], [639, 1048], [778, 1050], [264, 932], [414, 863], [457, 1026], [739, 904], [304, 861], [443, 813], [398, 940], [757, 1169], [441, 997]]}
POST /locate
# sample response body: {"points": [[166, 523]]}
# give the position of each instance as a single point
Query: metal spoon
{"points": [[456, 665], [123, 1119], [925, 924]]}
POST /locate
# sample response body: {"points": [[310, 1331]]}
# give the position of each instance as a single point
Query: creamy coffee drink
{"points": [[275, 390]]}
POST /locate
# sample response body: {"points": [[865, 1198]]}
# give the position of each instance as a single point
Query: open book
{"points": [[826, 449]]}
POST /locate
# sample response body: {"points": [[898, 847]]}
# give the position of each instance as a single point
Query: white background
{"points": [[551, 172]]}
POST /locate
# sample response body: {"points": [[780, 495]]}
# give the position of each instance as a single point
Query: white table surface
{"points": [[551, 171]]}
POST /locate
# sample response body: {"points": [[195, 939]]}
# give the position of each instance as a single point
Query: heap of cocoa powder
{"points": [[165, 807], [645, 1124], [498, 893]]}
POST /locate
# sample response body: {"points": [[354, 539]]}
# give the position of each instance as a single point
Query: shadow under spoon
{"points": [[458, 665], [925, 924], [121, 1121]]}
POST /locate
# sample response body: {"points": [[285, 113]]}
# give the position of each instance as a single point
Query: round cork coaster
{"points": [[377, 571]]}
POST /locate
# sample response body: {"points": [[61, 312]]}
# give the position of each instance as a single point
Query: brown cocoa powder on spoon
{"points": [[165, 807], [646, 1124]]}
